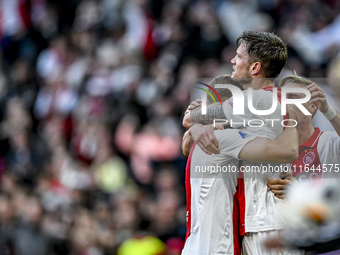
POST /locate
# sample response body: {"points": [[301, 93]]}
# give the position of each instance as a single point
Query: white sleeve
{"points": [[329, 148], [242, 120], [329, 153], [231, 142]]}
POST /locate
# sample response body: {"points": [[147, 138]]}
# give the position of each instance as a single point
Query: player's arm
{"points": [[196, 117], [278, 186], [284, 149], [202, 135], [186, 143], [320, 100]]}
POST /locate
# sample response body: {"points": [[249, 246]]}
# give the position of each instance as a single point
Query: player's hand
{"points": [[318, 97], [205, 138], [186, 119], [278, 187], [193, 105], [274, 242], [186, 143]]}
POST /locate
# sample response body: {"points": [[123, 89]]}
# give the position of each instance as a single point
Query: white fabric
{"points": [[329, 153], [212, 197], [253, 244], [261, 205], [262, 100]]}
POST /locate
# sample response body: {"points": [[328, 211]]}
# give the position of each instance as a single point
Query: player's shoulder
{"points": [[258, 94], [329, 142], [225, 134], [329, 136], [230, 134]]}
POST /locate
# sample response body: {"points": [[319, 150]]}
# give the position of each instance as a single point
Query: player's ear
{"points": [[255, 68], [312, 108]]}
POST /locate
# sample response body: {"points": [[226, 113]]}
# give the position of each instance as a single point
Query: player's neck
{"points": [[260, 83], [305, 131]]}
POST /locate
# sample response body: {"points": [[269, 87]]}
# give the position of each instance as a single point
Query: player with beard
{"points": [[259, 58], [217, 231]]}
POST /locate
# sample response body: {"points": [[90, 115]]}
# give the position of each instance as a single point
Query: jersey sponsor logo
{"points": [[243, 135], [309, 158]]}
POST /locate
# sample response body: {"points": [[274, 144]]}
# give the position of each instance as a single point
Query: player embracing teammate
{"points": [[259, 58], [243, 201]]}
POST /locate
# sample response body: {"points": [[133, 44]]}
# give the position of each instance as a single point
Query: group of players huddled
{"points": [[238, 212]]}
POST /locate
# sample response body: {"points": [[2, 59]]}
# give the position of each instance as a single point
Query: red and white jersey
{"points": [[212, 210], [318, 156], [268, 125], [258, 205]]}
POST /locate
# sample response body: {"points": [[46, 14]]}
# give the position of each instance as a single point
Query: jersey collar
{"points": [[313, 140], [270, 88]]}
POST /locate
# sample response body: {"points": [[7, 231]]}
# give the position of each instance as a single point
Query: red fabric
{"points": [[25, 13], [150, 48], [308, 155], [175, 244], [241, 201], [236, 220], [188, 191], [68, 127]]}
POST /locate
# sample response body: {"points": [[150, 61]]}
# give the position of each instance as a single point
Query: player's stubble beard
{"points": [[245, 79]]}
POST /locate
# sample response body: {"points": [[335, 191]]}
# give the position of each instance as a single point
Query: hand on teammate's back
{"points": [[278, 186], [205, 138]]}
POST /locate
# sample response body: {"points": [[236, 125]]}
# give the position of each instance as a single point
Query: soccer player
{"points": [[212, 211], [319, 152], [259, 57]]}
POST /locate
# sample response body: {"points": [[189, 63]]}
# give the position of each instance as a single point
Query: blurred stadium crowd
{"points": [[92, 96]]}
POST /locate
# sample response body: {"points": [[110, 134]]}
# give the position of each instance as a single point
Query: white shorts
{"points": [[253, 244]]}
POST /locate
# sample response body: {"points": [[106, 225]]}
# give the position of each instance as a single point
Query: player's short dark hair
{"points": [[266, 48], [223, 93], [296, 79]]}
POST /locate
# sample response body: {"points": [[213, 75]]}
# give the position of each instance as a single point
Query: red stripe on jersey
{"points": [[308, 155], [188, 191], [236, 219], [241, 201], [240, 190]]}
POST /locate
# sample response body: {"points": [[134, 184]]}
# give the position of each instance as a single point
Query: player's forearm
{"points": [[186, 143], [285, 149], [287, 144], [213, 112]]}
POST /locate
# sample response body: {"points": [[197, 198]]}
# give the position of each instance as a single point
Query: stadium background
{"points": [[92, 96]]}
